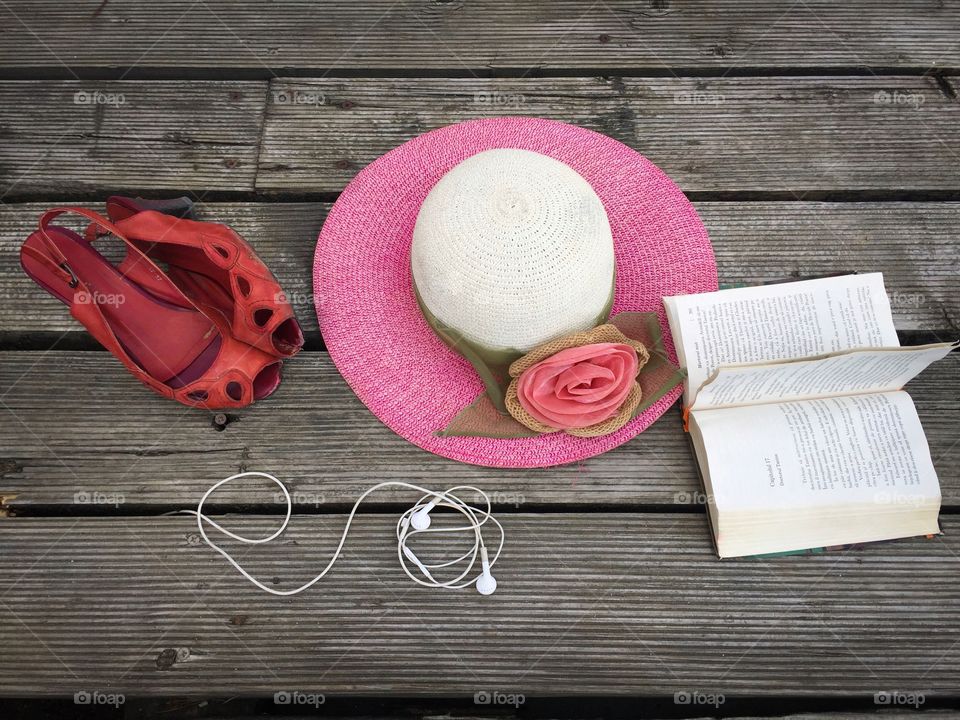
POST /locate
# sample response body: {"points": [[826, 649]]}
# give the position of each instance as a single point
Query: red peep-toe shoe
{"points": [[167, 341], [214, 266]]}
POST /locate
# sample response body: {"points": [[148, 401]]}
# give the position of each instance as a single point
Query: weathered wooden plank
{"points": [[620, 604], [78, 431], [479, 37], [796, 135], [761, 134], [914, 244], [313, 433], [93, 136]]}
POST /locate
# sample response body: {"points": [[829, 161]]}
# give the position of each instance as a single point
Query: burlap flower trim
{"points": [[584, 384]]}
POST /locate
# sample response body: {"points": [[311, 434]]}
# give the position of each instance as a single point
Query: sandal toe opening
{"points": [[266, 381], [287, 337]]}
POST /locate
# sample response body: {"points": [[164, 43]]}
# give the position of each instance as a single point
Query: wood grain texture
{"points": [[747, 134], [478, 37], [93, 136], [590, 603], [79, 433], [914, 244], [618, 604], [795, 135]]}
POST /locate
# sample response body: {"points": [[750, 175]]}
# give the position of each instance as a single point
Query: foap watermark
{"points": [[906, 300], [498, 497], [698, 697], [697, 97], [99, 298], [495, 697], [302, 498], [899, 697], [298, 697], [292, 96], [886, 497], [97, 697], [898, 97], [295, 298], [690, 497], [98, 97], [499, 99], [86, 497]]}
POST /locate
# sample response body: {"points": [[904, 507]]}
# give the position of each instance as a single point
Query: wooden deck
{"points": [[813, 137]]}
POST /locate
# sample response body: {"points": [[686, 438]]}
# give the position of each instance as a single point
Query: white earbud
{"points": [[420, 520], [486, 583], [417, 518]]}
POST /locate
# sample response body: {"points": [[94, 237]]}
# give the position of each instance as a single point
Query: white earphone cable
{"points": [[476, 518]]}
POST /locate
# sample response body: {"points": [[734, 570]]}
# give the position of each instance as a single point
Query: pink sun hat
{"points": [[374, 324]]}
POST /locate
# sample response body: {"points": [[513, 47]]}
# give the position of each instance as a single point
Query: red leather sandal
{"points": [[174, 345], [214, 266]]}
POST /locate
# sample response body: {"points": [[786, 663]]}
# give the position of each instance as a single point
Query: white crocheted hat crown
{"points": [[511, 249]]}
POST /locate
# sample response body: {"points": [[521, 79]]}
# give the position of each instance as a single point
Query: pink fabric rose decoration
{"points": [[580, 386]]}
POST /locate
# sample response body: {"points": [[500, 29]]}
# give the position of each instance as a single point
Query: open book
{"points": [[794, 405]]}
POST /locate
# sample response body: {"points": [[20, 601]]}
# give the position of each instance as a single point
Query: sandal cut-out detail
{"points": [[212, 264]]}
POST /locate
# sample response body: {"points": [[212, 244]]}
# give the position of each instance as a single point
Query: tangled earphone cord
{"points": [[413, 521]]}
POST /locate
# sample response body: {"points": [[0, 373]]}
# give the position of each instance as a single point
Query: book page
{"points": [[845, 373], [814, 453], [778, 322]]}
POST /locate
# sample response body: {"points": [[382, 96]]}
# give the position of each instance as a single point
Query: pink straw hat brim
{"points": [[368, 314]]}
